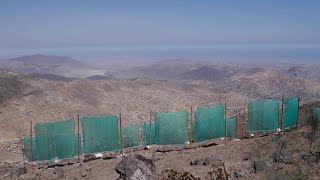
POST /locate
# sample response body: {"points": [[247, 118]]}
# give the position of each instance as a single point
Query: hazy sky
{"points": [[57, 23]]}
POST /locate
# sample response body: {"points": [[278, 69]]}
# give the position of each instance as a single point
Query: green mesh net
{"points": [[146, 134], [263, 116], [131, 136], [209, 123], [231, 127], [171, 127], [26, 147], [290, 112], [55, 140], [100, 134]]}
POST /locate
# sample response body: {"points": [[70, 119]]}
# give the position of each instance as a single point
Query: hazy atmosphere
{"points": [[170, 90], [160, 29]]}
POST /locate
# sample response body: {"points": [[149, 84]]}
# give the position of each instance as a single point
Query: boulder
{"points": [[136, 167], [283, 157], [259, 166]]}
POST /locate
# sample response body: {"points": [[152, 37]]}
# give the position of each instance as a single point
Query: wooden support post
{"points": [[121, 143], [282, 113], [236, 133], [191, 123], [30, 136], [23, 151], [150, 130], [298, 112], [225, 123], [141, 134], [79, 143], [244, 117]]}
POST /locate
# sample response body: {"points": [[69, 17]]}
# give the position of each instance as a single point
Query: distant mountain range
{"points": [[61, 67], [42, 64]]}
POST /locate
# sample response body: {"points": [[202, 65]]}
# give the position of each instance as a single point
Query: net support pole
{"points": [[78, 138], [244, 117], [298, 113], [121, 143], [191, 123], [30, 136], [236, 133], [150, 130], [225, 122], [23, 151], [282, 113]]}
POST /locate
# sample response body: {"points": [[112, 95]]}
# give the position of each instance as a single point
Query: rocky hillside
{"points": [[262, 83], [46, 100], [36, 98], [11, 85]]}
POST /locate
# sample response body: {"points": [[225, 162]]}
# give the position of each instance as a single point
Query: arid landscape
{"points": [[160, 90], [42, 88]]}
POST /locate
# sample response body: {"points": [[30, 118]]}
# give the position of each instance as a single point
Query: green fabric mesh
{"points": [[171, 127], [26, 145], [290, 112], [131, 136], [231, 127], [100, 134], [146, 134], [55, 140], [263, 116], [208, 123]]}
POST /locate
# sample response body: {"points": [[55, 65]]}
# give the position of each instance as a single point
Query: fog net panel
{"points": [[231, 127], [171, 127], [147, 134], [26, 148], [209, 123], [100, 134], [131, 136], [290, 112], [55, 140], [263, 116]]}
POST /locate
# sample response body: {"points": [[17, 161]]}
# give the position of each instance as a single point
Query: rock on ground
{"points": [[136, 167]]}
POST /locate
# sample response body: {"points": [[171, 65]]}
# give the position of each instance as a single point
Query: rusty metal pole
{"points": [[30, 137], [282, 113], [121, 143], [78, 138], [191, 123], [225, 122]]}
